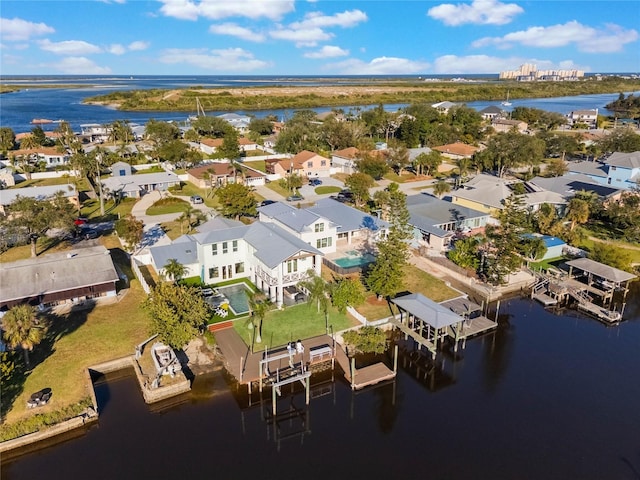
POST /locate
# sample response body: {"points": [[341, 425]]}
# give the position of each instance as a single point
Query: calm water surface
{"points": [[17, 109], [546, 397]]}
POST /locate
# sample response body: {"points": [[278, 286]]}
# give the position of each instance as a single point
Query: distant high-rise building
{"points": [[529, 73]]}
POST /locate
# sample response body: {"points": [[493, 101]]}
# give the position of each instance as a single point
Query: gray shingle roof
{"points": [[624, 160], [273, 245], [56, 272], [9, 195], [221, 235], [568, 185], [427, 310], [426, 211], [346, 218], [595, 169], [184, 250], [297, 219], [601, 270]]}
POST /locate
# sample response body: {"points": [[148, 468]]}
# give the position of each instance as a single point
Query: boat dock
{"points": [[590, 289]]}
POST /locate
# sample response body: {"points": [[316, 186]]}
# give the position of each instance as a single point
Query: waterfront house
{"points": [[491, 112], [586, 118], [443, 107], [309, 164], [68, 277], [272, 258], [95, 132], [436, 221], [39, 193], [239, 122]]}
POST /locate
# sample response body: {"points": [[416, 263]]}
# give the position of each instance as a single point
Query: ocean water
{"points": [[18, 109], [547, 396]]}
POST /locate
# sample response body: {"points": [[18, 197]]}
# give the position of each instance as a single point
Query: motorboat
{"points": [[164, 359]]}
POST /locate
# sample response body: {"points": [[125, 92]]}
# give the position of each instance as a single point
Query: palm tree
{"points": [[441, 188], [319, 292], [259, 306], [22, 329], [174, 269], [577, 212]]}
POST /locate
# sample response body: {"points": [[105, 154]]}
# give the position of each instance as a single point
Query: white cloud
{"points": [[346, 19], [237, 31], [311, 30], [69, 47], [16, 29], [328, 51], [481, 12], [612, 38], [79, 66], [138, 45], [379, 66], [308, 37], [227, 60], [453, 64], [217, 9], [116, 49]]}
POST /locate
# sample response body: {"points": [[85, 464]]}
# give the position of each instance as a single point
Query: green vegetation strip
{"points": [[168, 205], [75, 342], [418, 92], [323, 190]]}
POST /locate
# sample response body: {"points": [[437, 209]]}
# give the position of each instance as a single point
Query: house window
{"points": [[225, 247], [292, 265], [234, 245], [239, 267], [323, 163], [319, 227], [609, 181], [323, 242], [309, 164], [214, 272], [214, 249], [612, 167]]}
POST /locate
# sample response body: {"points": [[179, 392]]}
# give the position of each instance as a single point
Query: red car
{"points": [[80, 221]]}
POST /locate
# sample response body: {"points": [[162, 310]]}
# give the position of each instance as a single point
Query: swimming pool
{"points": [[354, 260], [237, 296]]}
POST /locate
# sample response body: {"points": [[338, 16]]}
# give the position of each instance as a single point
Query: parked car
{"points": [[314, 182], [195, 199], [264, 203], [80, 221], [88, 233], [295, 198]]}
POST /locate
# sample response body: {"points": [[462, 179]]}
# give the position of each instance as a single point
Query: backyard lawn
{"points": [[256, 164], [91, 208], [82, 186], [299, 321], [323, 190], [74, 342]]}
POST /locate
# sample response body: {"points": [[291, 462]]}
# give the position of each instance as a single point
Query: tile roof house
{"points": [[345, 159], [49, 155], [55, 278], [506, 125], [457, 150], [308, 164]]}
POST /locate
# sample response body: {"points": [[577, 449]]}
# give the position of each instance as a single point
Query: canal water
{"points": [[547, 396]]}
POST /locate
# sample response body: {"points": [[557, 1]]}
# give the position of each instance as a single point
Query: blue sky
{"points": [[289, 37]]}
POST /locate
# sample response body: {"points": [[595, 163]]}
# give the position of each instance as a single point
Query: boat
{"points": [[164, 359], [199, 111], [506, 103], [41, 121]]}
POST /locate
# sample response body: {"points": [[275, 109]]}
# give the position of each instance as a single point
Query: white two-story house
{"points": [[265, 253]]}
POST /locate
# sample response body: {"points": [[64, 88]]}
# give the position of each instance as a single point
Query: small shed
{"points": [[120, 169]]}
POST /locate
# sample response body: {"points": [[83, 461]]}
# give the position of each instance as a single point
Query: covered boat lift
{"points": [[602, 279]]}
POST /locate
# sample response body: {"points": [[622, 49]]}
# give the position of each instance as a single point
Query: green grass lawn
{"points": [[44, 245], [276, 187], [256, 164], [154, 169], [91, 209], [324, 189], [75, 342], [587, 244], [292, 323], [405, 177], [188, 189], [168, 205]]}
